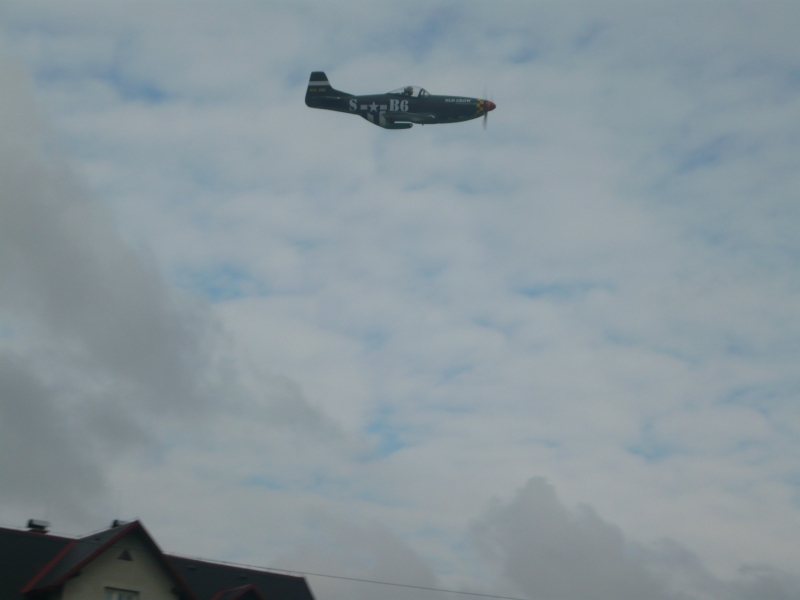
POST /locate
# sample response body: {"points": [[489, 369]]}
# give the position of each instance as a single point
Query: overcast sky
{"points": [[555, 359]]}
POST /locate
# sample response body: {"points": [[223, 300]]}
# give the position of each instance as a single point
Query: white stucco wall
{"points": [[144, 574]]}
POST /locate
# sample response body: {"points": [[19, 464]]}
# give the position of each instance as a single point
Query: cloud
{"points": [[99, 355], [96, 345], [67, 273], [601, 289], [549, 552], [546, 551], [42, 464], [361, 550]]}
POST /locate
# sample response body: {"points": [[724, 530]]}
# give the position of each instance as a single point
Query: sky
{"points": [[555, 359]]}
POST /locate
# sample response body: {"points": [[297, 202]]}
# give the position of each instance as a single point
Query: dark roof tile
{"points": [[22, 555], [207, 579]]}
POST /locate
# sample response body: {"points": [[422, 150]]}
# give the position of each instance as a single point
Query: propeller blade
{"points": [[488, 106]]}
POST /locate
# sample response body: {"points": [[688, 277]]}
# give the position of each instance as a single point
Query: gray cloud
{"points": [[549, 552], [93, 345], [43, 463], [98, 354], [68, 276], [365, 551], [602, 288]]}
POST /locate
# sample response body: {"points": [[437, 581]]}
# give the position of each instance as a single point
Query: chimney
{"points": [[38, 526]]}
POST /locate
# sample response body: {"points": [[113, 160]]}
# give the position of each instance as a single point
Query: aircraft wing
{"points": [[408, 117]]}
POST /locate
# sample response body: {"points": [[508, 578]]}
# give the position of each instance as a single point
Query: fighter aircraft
{"points": [[398, 109]]}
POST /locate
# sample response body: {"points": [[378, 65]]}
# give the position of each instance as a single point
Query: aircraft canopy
{"points": [[412, 91]]}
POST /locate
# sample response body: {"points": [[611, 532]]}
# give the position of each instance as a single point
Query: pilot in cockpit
{"points": [[409, 91]]}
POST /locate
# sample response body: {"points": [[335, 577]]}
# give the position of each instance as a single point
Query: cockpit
{"points": [[412, 91]]}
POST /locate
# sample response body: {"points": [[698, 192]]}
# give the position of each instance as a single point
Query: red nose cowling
{"points": [[489, 105]]}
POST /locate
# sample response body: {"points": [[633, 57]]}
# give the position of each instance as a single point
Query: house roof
{"points": [[22, 555], [36, 562], [208, 579], [243, 592], [80, 552]]}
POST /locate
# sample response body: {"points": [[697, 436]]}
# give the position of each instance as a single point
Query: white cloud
{"points": [[602, 288]]}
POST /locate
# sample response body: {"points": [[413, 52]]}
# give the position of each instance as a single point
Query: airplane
{"points": [[398, 109]]}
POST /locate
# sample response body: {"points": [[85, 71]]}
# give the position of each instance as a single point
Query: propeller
{"points": [[488, 106]]}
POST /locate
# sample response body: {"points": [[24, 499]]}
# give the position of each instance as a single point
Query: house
{"points": [[124, 563]]}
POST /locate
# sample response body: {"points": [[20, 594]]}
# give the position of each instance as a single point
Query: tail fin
{"points": [[319, 84], [320, 94]]}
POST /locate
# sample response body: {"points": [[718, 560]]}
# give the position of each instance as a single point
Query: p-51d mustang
{"points": [[398, 109]]}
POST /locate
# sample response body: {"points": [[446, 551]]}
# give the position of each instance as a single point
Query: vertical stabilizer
{"points": [[320, 94], [319, 83]]}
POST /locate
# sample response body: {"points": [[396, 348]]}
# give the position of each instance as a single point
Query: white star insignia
{"points": [[373, 107]]}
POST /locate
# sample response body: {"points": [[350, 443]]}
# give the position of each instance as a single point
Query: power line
{"points": [[402, 585], [356, 579]]}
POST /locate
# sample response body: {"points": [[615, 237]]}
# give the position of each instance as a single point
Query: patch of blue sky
{"points": [[688, 354], [387, 434], [128, 89], [756, 451], [305, 244], [374, 340], [477, 185], [263, 481], [561, 290], [453, 372], [208, 176], [330, 485], [652, 451], [589, 35], [650, 448], [220, 283], [525, 54], [537, 440], [431, 270], [485, 187], [706, 155], [764, 398], [454, 408], [533, 48], [526, 44], [488, 322], [740, 346], [419, 41], [379, 497]]}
